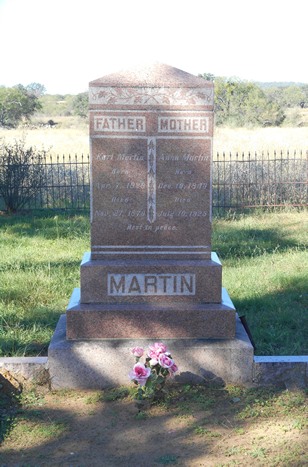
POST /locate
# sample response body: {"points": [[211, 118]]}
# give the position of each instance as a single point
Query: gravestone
{"points": [[151, 272]]}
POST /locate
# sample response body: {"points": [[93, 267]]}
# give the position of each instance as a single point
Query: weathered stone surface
{"points": [[151, 75], [151, 148], [142, 320], [26, 368], [285, 371], [151, 86], [98, 364], [131, 281], [151, 273]]}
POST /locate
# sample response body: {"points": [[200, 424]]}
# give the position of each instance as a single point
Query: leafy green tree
{"points": [[292, 96], [207, 76], [241, 103], [81, 105], [275, 94], [304, 103], [36, 89], [16, 103], [289, 96]]}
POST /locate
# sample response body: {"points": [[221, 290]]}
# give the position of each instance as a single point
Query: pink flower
{"points": [[173, 369], [165, 361], [140, 373], [137, 351], [156, 349]]}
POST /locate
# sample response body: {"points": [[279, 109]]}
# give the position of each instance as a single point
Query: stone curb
{"points": [[288, 371], [32, 369]]}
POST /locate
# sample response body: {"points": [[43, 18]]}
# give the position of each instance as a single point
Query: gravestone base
{"points": [[105, 363], [147, 320], [157, 280]]}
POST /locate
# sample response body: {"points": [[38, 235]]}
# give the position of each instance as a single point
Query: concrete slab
{"points": [[103, 363]]}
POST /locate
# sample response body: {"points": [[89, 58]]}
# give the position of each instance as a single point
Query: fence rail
{"points": [[239, 181]]}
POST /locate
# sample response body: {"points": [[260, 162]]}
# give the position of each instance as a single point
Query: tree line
{"points": [[237, 103], [19, 102], [241, 103]]}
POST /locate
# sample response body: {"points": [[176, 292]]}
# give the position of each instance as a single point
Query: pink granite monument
{"points": [[151, 273]]}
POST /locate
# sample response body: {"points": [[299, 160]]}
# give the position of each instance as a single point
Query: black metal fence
{"points": [[239, 181], [265, 179], [66, 184]]}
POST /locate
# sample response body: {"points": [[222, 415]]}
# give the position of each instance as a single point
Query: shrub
{"points": [[22, 173]]}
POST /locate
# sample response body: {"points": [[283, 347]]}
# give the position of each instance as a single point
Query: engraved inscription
{"points": [[151, 284], [153, 188], [109, 123], [184, 157], [151, 208], [183, 125], [150, 227]]}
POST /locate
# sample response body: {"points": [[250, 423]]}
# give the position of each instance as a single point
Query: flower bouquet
{"points": [[150, 376]]}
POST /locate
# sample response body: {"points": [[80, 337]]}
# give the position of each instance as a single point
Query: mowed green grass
{"points": [[265, 270], [39, 267]]}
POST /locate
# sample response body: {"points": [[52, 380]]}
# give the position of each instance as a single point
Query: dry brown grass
{"points": [[70, 136], [260, 139]]}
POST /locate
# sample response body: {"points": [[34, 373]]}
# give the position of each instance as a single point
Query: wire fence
{"points": [[240, 181]]}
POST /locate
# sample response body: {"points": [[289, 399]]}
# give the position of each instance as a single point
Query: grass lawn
{"points": [[39, 267], [265, 270]]}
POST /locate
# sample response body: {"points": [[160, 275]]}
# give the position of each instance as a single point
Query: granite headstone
{"points": [[151, 272]]}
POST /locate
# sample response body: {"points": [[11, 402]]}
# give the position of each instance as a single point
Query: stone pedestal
{"points": [[104, 363], [151, 273], [147, 320]]}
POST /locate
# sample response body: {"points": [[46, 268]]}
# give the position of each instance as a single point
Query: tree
{"points": [[293, 96], [37, 89], [207, 76], [22, 173], [81, 105], [241, 103], [15, 104]]}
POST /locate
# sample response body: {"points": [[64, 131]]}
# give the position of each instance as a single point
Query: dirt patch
{"points": [[193, 426]]}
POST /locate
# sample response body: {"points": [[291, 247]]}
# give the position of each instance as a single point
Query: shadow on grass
{"points": [[48, 224], [9, 404], [278, 321], [195, 424], [236, 242]]}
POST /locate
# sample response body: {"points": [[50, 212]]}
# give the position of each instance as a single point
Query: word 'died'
{"points": [[151, 284], [110, 123]]}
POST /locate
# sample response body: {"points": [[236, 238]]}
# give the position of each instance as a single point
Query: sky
{"points": [[64, 44]]}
